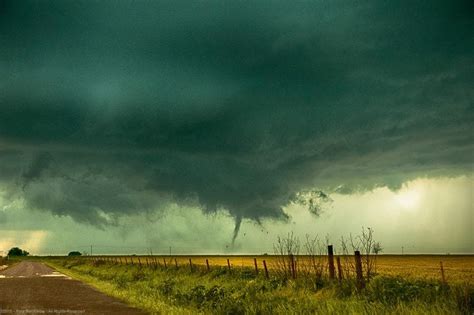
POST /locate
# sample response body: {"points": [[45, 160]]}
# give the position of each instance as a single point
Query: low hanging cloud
{"points": [[109, 108]]}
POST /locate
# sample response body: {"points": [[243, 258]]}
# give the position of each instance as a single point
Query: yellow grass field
{"points": [[457, 268]]}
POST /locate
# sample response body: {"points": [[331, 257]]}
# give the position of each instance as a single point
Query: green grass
{"points": [[173, 291]]}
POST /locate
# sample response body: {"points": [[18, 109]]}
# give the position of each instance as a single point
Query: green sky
{"points": [[137, 124]]}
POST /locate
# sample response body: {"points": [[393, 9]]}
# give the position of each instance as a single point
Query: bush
{"points": [[390, 290], [464, 296], [122, 281], [138, 274], [74, 253], [203, 297], [167, 287]]}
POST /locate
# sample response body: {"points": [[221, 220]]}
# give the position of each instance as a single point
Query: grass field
{"points": [[403, 285], [457, 268]]}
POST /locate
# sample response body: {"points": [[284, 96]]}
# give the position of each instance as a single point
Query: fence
{"points": [[270, 265]]}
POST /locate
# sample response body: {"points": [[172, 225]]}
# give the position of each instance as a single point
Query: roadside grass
{"points": [[7, 263], [239, 291], [459, 269]]}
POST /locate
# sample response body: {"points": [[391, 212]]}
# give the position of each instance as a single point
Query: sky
{"points": [[216, 126]]}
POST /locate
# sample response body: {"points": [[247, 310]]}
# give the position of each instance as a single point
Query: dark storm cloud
{"points": [[110, 108], [37, 167]]}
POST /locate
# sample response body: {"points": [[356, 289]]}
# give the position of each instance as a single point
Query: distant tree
{"points": [[366, 245], [74, 253], [16, 251], [377, 248], [286, 249]]}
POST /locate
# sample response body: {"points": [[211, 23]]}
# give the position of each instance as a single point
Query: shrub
{"points": [[122, 281], [138, 274], [464, 296], [167, 287], [390, 290]]}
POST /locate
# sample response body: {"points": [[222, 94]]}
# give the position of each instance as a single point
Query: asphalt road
{"points": [[34, 288]]}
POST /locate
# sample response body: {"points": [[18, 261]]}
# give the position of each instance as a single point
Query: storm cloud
{"points": [[111, 108]]}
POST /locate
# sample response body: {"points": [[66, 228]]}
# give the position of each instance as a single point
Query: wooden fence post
{"points": [[292, 266], [139, 261], [207, 265], [359, 274], [339, 268], [332, 270], [443, 278], [256, 266], [131, 260], [228, 263], [265, 268], [190, 264], [176, 263], [164, 262]]}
